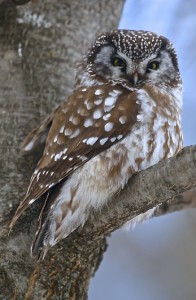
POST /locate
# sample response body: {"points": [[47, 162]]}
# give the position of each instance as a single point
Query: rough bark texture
{"points": [[39, 45]]}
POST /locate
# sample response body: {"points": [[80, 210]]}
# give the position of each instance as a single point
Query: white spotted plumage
{"points": [[97, 114], [109, 126], [122, 119], [123, 116]]}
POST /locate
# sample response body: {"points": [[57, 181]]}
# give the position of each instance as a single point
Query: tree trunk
{"points": [[39, 45]]}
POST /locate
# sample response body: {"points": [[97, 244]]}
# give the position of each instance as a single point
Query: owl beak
{"points": [[135, 78]]}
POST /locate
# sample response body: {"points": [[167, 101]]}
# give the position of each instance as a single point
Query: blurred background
{"points": [[157, 259]]}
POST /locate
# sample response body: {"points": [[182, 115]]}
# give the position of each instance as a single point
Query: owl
{"points": [[123, 116]]}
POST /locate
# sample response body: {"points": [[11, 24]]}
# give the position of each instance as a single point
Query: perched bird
{"points": [[123, 116]]}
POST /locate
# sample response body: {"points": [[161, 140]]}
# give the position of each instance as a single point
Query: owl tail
{"points": [[60, 215], [39, 247]]}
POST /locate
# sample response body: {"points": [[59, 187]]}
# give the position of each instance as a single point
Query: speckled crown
{"points": [[135, 44]]}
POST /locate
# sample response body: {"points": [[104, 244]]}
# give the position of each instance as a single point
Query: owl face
{"points": [[133, 57]]}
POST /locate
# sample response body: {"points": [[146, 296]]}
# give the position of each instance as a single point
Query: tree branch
{"points": [[159, 187]]}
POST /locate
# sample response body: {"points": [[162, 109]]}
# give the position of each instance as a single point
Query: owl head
{"points": [[132, 57]]}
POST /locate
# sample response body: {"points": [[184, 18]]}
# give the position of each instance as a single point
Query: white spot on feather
{"points": [[36, 171], [55, 138], [108, 108], [31, 201], [62, 129], [119, 136], [58, 156], [109, 126], [113, 139], [88, 122], [29, 146], [98, 92], [103, 141], [67, 131], [75, 133], [114, 93], [75, 120], [89, 104], [38, 175], [106, 117], [64, 151], [109, 101], [97, 114], [123, 119], [98, 102], [92, 140]]}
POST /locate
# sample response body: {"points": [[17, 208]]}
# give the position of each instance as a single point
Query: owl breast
{"points": [[156, 136]]}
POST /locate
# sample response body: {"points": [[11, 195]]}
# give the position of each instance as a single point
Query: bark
{"points": [[39, 43]]}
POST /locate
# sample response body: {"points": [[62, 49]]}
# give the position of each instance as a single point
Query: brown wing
{"points": [[39, 134], [90, 121]]}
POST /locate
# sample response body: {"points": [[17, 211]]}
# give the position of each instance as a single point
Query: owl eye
{"points": [[153, 65], [118, 62]]}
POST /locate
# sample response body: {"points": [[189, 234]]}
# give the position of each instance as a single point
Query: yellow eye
{"points": [[118, 62], [153, 65]]}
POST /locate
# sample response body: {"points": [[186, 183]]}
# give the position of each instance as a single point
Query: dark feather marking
{"points": [[44, 221]]}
